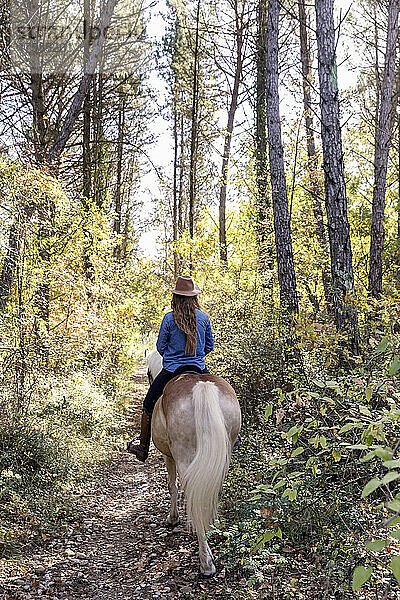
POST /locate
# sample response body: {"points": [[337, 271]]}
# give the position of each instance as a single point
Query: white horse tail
{"points": [[205, 475]]}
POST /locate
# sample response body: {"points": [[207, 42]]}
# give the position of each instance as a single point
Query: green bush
{"points": [[30, 456]]}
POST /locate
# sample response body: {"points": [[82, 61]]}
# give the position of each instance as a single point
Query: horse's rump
{"points": [[201, 418], [177, 407]]}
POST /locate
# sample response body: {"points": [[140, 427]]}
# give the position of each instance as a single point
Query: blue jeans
{"points": [[157, 387]]}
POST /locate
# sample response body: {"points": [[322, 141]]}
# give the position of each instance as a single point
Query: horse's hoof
{"points": [[209, 573], [171, 524]]}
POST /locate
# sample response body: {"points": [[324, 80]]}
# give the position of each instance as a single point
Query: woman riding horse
{"points": [[184, 339]]}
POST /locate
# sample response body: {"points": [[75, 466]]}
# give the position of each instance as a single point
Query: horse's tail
{"points": [[203, 479]]}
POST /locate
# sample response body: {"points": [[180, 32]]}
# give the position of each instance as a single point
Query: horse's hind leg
{"points": [[207, 566], [173, 516]]}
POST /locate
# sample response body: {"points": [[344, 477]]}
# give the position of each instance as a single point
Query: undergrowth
{"points": [[68, 429]]}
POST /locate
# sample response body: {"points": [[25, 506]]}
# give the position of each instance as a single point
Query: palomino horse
{"points": [[195, 424]]}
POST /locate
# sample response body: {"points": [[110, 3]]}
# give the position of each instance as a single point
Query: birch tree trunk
{"points": [[382, 144], [312, 163], [335, 188], [283, 238]]}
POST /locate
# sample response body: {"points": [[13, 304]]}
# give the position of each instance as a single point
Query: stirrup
{"points": [[139, 450]]}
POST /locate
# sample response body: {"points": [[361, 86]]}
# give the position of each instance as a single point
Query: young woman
{"points": [[184, 339]]}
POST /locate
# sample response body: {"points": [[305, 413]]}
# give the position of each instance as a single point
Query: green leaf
{"points": [[332, 384], [395, 534], [319, 384], [368, 394], [390, 464], [279, 533], [381, 347], [376, 545], [279, 484], [297, 451], [360, 576], [337, 455], [394, 505], [368, 456], [347, 427], [371, 486], [383, 453], [391, 476], [268, 535], [268, 411], [364, 410], [394, 366], [292, 431], [322, 441], [395, 566]]}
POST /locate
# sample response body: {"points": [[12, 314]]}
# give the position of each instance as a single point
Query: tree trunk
{"points": [[181, 173], [36, 84], [397, 257], [175, 189], [263, 203], [193, 140], [86, 108], [98, 143], [228, 138], [335, 188], [120, 144], [382, 144], [9, 266], [283, 238], [312, 163]]}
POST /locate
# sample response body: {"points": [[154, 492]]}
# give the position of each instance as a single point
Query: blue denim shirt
{"points": [[171, 342]]}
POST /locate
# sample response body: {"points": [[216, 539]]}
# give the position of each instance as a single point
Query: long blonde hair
{"points": [[184, 311]]}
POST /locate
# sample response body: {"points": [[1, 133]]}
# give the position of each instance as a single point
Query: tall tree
{"points": [[193, 133], [335, 187], [312, 163], [86, 163], [382, 144], [283, 237], [42, 152], [261, 133], [239, 18]]}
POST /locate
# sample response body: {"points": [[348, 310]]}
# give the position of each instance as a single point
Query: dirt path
{"points": [[121, 548]]}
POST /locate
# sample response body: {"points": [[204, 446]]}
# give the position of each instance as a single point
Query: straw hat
{"points": [[185, 286]]}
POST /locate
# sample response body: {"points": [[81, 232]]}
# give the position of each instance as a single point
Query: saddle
{"points": [[188, 369]]}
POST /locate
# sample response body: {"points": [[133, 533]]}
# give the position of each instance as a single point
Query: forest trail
{"points": [[120, 548]]}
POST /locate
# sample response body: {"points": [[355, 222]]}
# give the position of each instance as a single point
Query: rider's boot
{"points": [[141, 450]]}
